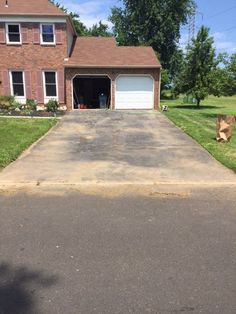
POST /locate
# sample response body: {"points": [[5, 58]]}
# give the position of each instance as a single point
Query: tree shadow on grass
{"points": [[209, 115], [194, 107], [18, 287], [215, 115]]}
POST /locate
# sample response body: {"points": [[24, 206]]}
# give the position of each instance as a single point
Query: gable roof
{"points": [[30, 7], [104, 52]]}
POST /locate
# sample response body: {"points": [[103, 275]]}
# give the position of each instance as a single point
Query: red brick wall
{"points": [[112, 73], [32, 57]]}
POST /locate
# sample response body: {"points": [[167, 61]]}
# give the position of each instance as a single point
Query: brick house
{"points": [[41, 58]]}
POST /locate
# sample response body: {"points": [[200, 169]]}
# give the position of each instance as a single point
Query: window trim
{"points": [[7, 34], [41, 35], [47, 98], [21, 99]]}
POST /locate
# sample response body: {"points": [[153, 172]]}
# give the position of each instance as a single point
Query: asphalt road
{"points": [[67, 252]]}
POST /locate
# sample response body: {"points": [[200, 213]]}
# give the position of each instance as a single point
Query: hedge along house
{"points": [[41, 58]]}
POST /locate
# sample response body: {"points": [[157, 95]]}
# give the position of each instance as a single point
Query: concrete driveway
{"points": [[115, 147]]}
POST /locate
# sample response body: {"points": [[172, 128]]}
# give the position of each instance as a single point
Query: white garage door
{"points": [[134, 92]]}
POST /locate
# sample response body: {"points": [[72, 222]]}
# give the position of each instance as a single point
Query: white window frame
{"points": [[47, 98], [21, 99], [41, 35], [7, 35]]}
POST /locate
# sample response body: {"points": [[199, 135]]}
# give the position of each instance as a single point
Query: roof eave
{"points": [[34, 14], [69, 18], [113, 66]]}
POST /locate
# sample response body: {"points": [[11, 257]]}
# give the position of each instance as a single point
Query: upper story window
{"points": [[13, 33], [47, 35]]}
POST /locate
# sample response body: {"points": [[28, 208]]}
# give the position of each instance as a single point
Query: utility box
{"points": [[189, 99]]}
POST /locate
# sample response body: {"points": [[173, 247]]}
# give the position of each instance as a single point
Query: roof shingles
{"points": [[104, 52], [29, 7], [87, 51]]}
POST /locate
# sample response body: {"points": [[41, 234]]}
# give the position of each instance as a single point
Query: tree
{"points": [[232, 65], [96, 30], [231, 68], [223, 78], [99, 30], [200, 63], [152, 22], [80, 28]]}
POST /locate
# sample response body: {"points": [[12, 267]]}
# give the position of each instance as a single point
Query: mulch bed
{"points": [[32, 114]]}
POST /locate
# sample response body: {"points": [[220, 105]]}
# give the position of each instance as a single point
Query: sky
{"points": [[219, 15]]}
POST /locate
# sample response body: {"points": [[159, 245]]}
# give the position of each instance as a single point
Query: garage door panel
{"points": [[135, 84], [139, 100], [134, 92], [135, 96]]}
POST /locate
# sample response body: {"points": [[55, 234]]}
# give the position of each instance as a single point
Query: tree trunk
{"points": [[198, 102]]}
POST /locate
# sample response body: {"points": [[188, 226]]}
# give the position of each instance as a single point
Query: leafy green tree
{"points": [[232, 65], [232, 73], [199, 66], [80, 28], [176, 63], [152, 22], [96, 30], [99, 30], [165, 83], [223, 77]]}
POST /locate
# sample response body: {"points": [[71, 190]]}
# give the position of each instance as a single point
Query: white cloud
{"points": [[223, 43], [91, 11], [221, 39]]}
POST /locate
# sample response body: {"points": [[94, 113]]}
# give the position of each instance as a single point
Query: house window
{"points": [[47, 34], [50, 85], [17, 84], [13, 33]]}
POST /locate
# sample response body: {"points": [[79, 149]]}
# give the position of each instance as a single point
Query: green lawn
{"points": [[17, 134], [201, 125]]}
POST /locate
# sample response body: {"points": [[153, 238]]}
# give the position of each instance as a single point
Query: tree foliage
{"points": [[96, 30], [224, 77], [99, 29], [199, 65], [203, 73], [152, 22]]}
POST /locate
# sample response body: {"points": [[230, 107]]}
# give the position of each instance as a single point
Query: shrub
{"points": [[52, 105], [6, 102], [15, 106], [31, 104]]}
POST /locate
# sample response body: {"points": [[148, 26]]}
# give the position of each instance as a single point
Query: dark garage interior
{"points": [[91, 92]]}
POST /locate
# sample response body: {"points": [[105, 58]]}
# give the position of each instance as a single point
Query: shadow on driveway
{"points": [[18, 288]]}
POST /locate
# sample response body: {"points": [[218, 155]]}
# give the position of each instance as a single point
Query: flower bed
{"points": [[9, 106], [35, 113]]}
